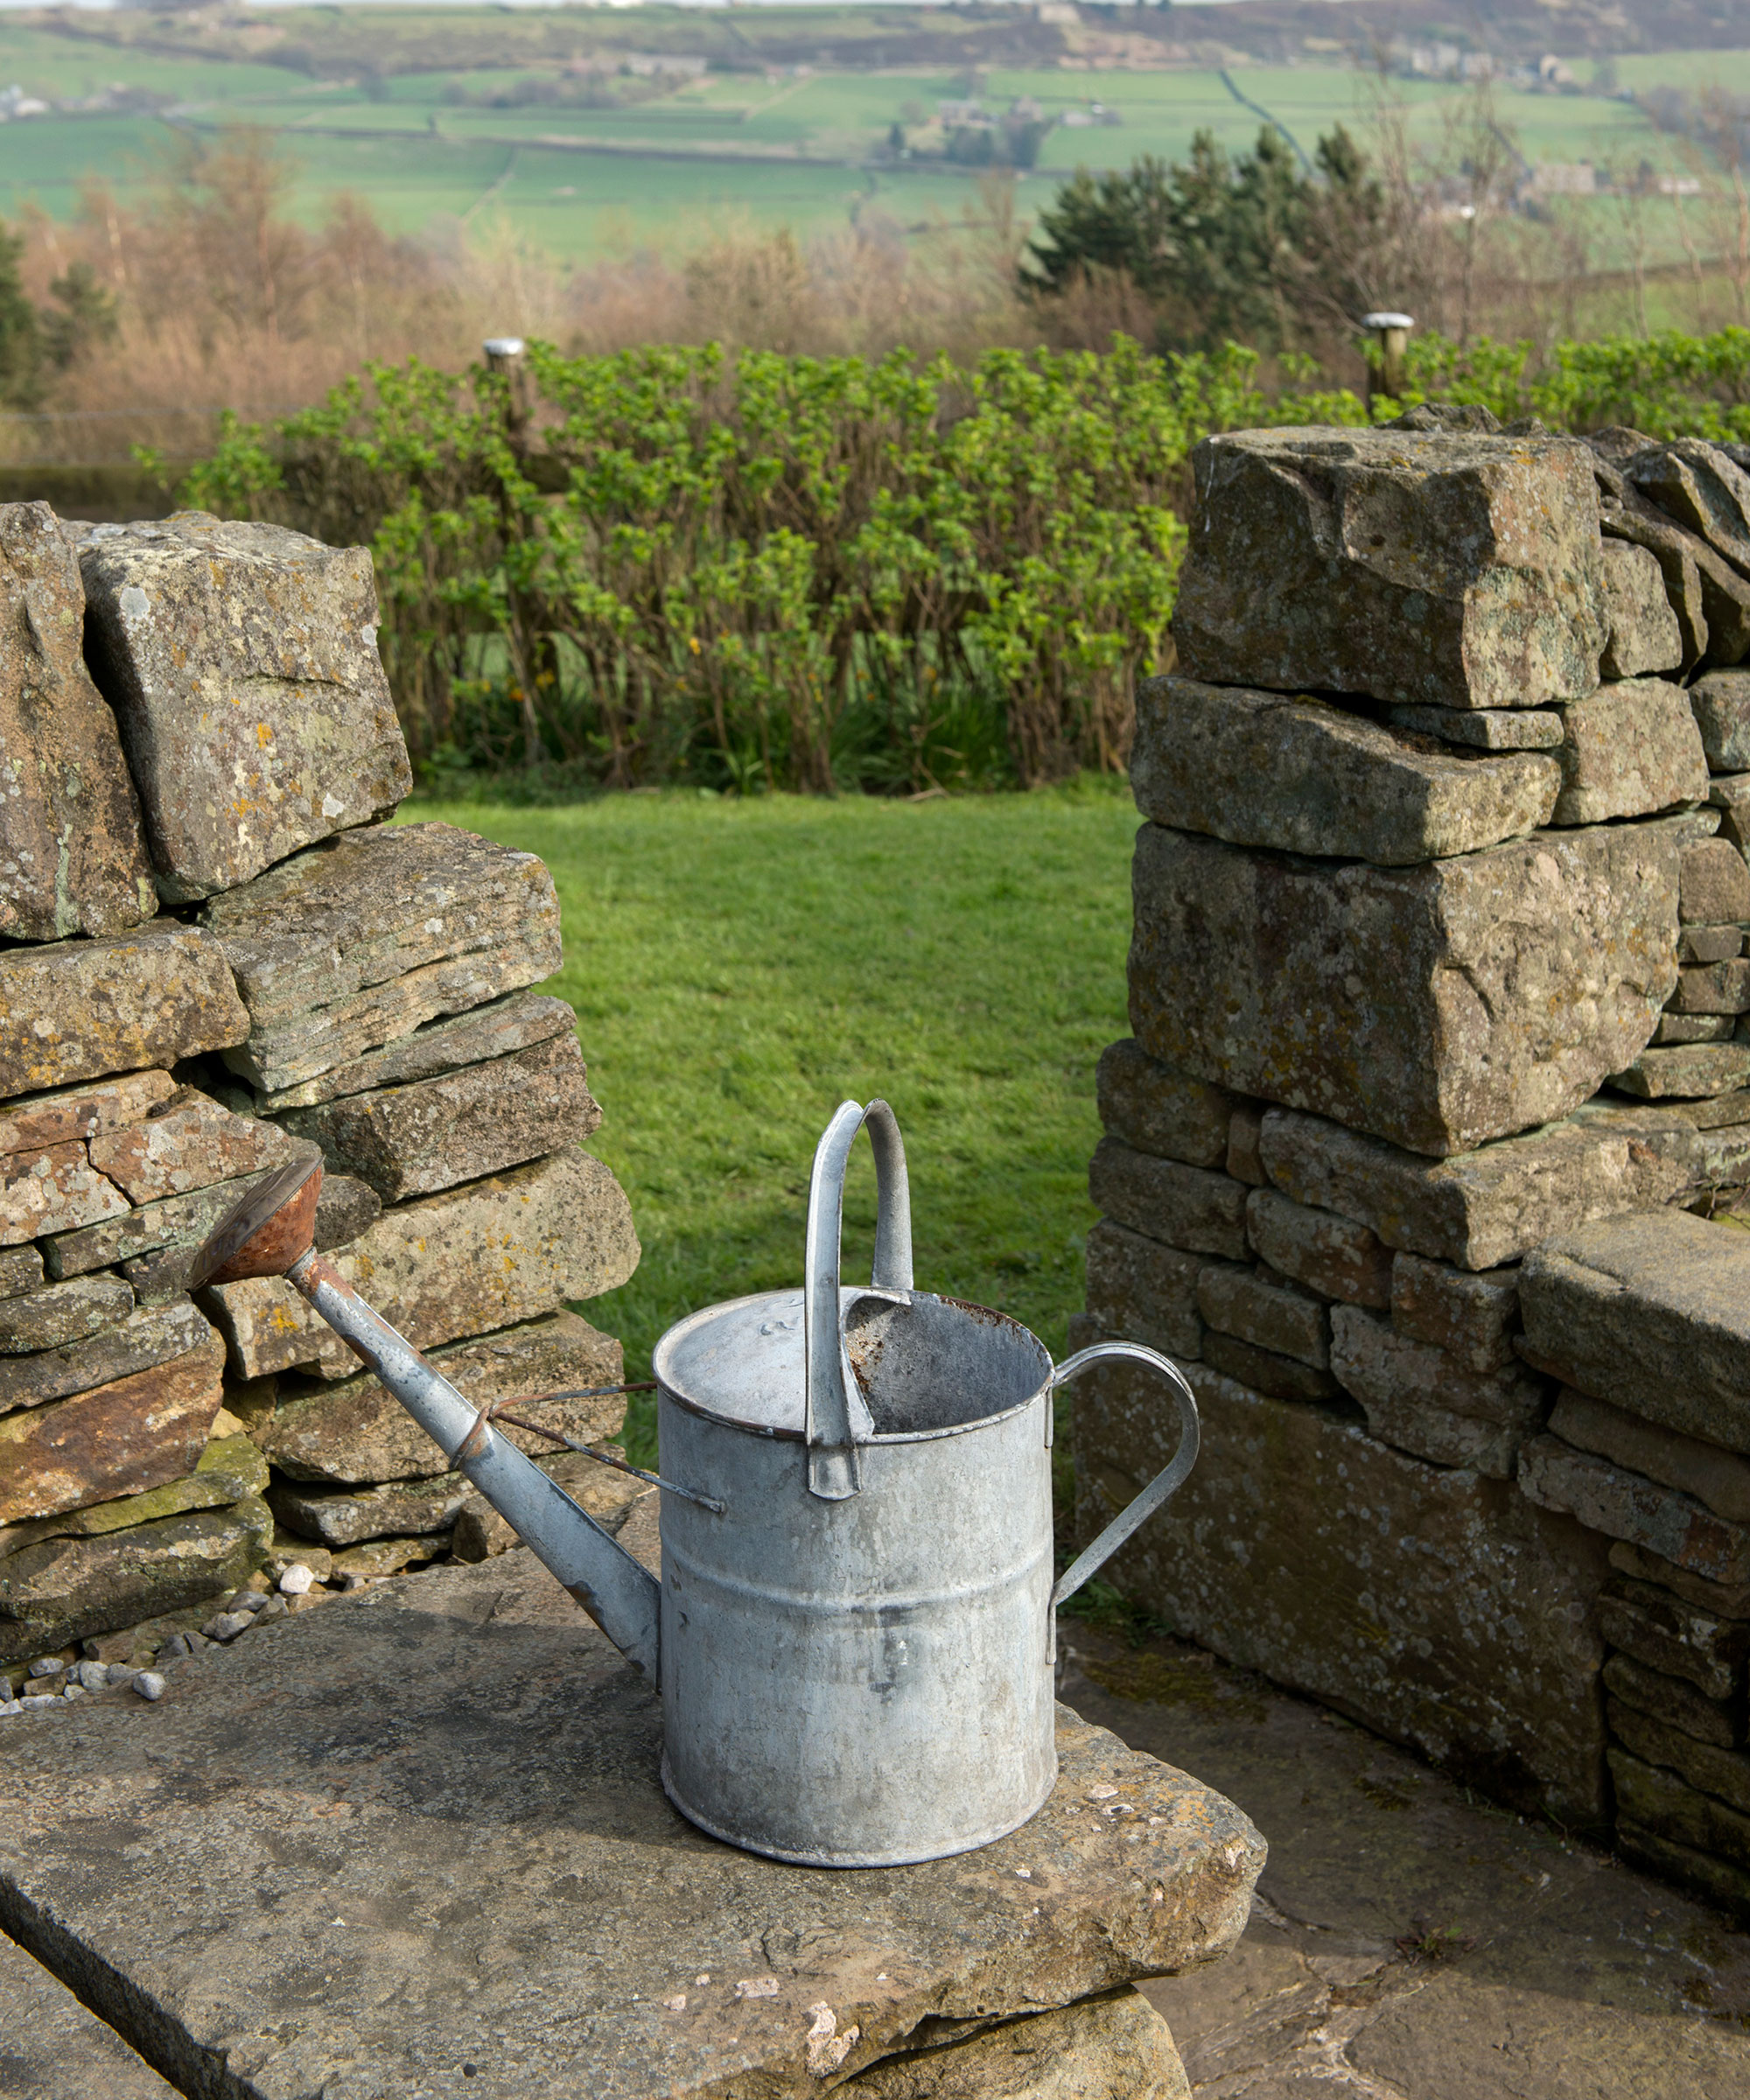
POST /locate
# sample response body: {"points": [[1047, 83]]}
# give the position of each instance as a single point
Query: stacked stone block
{"points": [[1440, 912], [259, 967]]}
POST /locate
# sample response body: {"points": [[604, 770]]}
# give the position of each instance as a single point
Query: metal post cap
{"points": [[503, 346], [1384, 320]]}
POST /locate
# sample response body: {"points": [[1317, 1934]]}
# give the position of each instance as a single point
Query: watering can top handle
{"points": [[1171, 1477], [836, 1418]]}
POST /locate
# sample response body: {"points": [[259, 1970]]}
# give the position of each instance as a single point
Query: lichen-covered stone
{"points": [[1164, 1199], [1299, 774], [413, 1140], [229, 1469], [1105, 2048], [62, 1314], [77, 1113], [1730, 795], [55, 1190], [1478, 1209], [1472, 1317], [1436, 1006], [21, 1269], [81, 1008], [1696, 484], [1484, 729], [1713, 987], [176, 1222], [1722, 1773], [1660, 1801], [1253, 1306], [55, 2049], [1631, 750], [1423, 1400], [72, 860], [1721, 703], [1686, 1071], [1461, 570], [1720, 1478], [1710, 943], [1713, 888], [1619, 1504], [354, 944], [187, 1144], [1651, 1691], [1333, 1256], [147, 1337], [1138, 1288], [1710, 598], [496, 1029], [1644, 634], [1156, 1109], [241, 661]]}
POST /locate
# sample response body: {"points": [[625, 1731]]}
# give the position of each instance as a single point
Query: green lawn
{"points": [[741, 967]]}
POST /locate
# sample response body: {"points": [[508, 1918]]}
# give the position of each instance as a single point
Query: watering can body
{"points": [[853, 1634]]}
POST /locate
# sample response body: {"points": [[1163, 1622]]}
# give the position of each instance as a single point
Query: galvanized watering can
{"points": [[853, 1634]]}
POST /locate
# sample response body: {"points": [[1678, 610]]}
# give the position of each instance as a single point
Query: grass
{"points": [[741, 967]]}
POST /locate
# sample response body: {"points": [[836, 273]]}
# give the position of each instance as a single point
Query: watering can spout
{"points": [[270, 1233]]}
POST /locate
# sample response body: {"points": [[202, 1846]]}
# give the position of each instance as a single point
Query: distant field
{"points": [[746, 148]]}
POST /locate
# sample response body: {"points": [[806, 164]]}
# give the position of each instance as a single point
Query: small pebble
{"points": [[247, 1600], [33, 1702], [10, 1707], [276, 1608], [94, 1676], [177, 1645], [229, 1625], [121, 1673], [296, 1580], [150, 1685], [75, 1690], [46, 1666]]}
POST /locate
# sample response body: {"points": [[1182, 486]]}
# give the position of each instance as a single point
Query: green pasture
{"points": [[739, 967]]}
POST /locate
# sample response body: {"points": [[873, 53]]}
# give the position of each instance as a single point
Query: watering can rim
{"points": [[661, 1356]]}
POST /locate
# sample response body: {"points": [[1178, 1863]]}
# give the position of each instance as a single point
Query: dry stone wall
{"points": [[220, 957], [1427, 1153]]}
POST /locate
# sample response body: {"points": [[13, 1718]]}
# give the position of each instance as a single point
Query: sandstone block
{"points": [[1459, 570], [1718, 1111], [54, 1190], [1670, 1699], [1683, 1071], [414, 1140], [1156, 1109], [241, 661], [1243, 1132], [55, 2049], [1623, 1505], [1696, 484], [1725, 1600], [1471, 1317], [1299, 774], [1725, 1774], [1730, 795], [1478, 1209], [74, 1114], [21, 1269], [1330, 1255], [1710, 943], [1436, 1608], [81, 1008], [1721, 1479], [1650, 1312], [173, 1222], [1628, 751], [353, 943], [1252, 1307], [1419, 1399], [1488, 729], [62, 1314], [145, 1339], [1142, 1290], [1660, 1801], [187, 1144], [516, 1022], [1715, 1880], [342, 1516], [1710, 596], [117, 1439], [1713, 987], [1713, 885], [1108, 2048], [72, 860], [1664, 1634], [611, 1498], [1676, 1029], [1721, 704], [1182, 1206], [230, 1470], [488, 1255], [357, 1433], [1267, 1370], [1644, 634], [1436, 1006], [68, 1589]]}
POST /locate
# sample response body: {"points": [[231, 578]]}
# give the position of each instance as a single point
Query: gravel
{"points": [[151, 1684], [296, 1580]]}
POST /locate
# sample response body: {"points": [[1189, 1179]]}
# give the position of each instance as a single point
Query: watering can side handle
{"points": [[1137, 1513]]}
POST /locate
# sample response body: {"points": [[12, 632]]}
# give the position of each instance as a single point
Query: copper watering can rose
{"points": [[854, 1634]]}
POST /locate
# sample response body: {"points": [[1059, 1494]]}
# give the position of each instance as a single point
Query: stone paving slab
{"points": [[52, 2048], [421, 1831]]}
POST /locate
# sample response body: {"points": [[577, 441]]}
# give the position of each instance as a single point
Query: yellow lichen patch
{"points": [[264, 735]]}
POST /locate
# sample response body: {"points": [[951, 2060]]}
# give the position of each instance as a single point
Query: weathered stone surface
{"points": [[1676, 1029], [1709, 597], [1730, 795], [144, 1339], [1266, 1370], [1713, 987], [53, 2048], [1667, 1634], [62, 1315], [1725, 1600], [241, 661], [70, 1113], [1670, 1699], [1156, 1109], [1144, 1290], [1333, 1256], [629, 1906], [1717, 1882], [69, 1588], [496, 1030], [1460, 571], [1423, 1400], [21, 1269], [1683, 1071], [1651, 1312], [1696, 484], [1720, 1478], [1183, 1206], [1713, 885], [1478, 1209], [352, 944], [344, 1516], [72, 857], [1624, 1505], [1252, 1307], [81, 1008], [1488, 729], [358, 1433], [1472, 1317], [1717, 1112], [614, 1500], [1436, 1006], [1630, 750], [414, 1140], [1104, 2049], [1659, 1802], [230, 1470], [53, 1191], [117, 1439], [188, 1144], [1436, 1608], [1244, 1129], [1644, 634], [174, 1222], [1297, 773], [1721, 703], [1724, 1773], [1710, 943]]}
